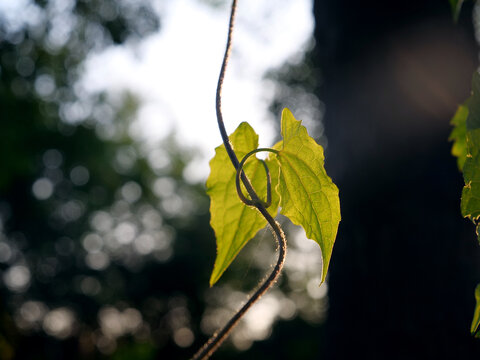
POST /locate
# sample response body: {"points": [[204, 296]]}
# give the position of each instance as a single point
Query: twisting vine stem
{"points": [[217, 339], [269, 180]]}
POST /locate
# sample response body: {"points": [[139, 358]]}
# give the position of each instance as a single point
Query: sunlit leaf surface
{"points": [[308, 197], [458, 135], [466, 136], [475, 329], [235, 223], [467, 144]]}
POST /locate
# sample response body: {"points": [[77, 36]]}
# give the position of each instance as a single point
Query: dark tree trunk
{"points": [[405, 264]]}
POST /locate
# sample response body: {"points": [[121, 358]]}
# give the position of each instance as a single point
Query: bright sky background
{"points": [[175, 71]]}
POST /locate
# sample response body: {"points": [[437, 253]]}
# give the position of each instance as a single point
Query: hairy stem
{"points": [[216, 340]]}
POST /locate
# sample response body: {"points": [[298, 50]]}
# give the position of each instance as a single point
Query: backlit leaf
{"points": [[458, 135], [235, 223], [308, 197], [475, 328], [470, 204], [466, 135]]}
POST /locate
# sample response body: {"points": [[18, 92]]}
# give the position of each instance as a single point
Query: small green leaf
{"points": [[475, 328], [456, 6], [470, 204], [458, 135], [308, 197], [235, 223]]}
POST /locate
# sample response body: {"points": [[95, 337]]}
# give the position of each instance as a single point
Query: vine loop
{"points": [[255, 201]]}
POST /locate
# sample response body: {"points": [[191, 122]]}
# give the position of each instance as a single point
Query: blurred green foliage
{"points": [[105, 247], [90, 221]]}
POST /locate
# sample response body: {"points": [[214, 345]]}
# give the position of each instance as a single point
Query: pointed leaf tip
{"points": [[235, 223], [475, 327], [458, 135], [308, 197]]}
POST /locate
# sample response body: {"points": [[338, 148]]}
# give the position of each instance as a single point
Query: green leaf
{"points": [[475, 328], [470, 204], [308, 197], [459, 134], [456, 6], [235, 223]]}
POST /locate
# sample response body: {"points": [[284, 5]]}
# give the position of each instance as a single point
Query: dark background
{"points": [[405, 264]]}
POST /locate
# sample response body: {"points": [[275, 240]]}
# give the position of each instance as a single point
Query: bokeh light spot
{"points": [[144, 244], [101, 221], [158, 160], [79, 175], [17, 278], [97, 261], [42, 188], [151, 219], [164, 187], [5, 252], [131, 191], [92, 243], [90, 286], [52, 159], [31, 313], [44, 85], [314, 290], [59, 323], [72, 210], [25, 66], [125, 232], [183, 337]]}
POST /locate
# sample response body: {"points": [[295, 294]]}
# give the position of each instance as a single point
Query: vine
{"points": [[302, 190], [217, 339], [466, 147]]}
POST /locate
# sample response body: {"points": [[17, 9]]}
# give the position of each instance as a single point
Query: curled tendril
{"points": [[255, 200]]}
